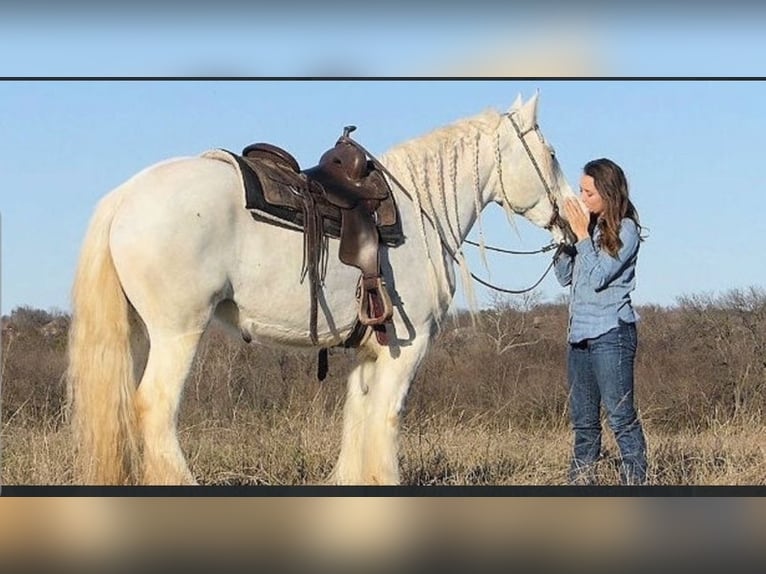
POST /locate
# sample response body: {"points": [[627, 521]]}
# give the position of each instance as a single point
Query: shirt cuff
{"points": [[584, 245]]}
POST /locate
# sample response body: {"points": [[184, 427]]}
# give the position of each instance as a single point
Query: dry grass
{"points": [[300, 450]]}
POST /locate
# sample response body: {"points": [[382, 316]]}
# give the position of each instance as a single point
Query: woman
{"points": [[601, 269]]}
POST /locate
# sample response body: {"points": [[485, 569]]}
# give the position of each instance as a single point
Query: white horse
{"points": [[174, 247]]}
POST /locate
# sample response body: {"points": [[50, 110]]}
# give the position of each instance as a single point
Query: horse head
{"points": [[531, 182]]}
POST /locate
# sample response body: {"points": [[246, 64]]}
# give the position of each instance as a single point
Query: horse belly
{"points": [[274, 302]]}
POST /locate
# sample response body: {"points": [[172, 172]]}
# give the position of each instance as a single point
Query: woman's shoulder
{"points": [[629, 225], [630, 231]]}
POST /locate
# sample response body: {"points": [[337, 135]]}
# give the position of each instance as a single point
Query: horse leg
{"points": [[157, 400], [393, 376], [348, 468], [375, 396]]}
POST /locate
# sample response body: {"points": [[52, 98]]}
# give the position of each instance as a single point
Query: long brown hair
{"points": [[612, 186]]}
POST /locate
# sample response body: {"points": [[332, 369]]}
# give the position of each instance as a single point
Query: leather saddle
{"points": [[345, 196]]}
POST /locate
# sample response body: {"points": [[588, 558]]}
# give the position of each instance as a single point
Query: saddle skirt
{"points": [[271, 194]]}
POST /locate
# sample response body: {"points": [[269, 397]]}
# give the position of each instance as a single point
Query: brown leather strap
{"points": [[312, 241], [322, 366]]}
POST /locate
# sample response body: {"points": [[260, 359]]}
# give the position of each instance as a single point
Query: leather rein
{"points": [[556, 218]]}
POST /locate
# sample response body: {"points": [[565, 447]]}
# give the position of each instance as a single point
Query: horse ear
{"points": [[516, 104], [529, 109]]}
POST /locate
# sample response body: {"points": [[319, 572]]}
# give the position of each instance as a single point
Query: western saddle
{"points": [[345, 196]]}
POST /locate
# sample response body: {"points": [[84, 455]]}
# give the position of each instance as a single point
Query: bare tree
{"points": [[508, 322]]}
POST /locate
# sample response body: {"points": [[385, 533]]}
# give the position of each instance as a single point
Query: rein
{"points": [[555, 218], [511, 252]]}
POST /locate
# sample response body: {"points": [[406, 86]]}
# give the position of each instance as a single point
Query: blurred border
{"points": [[340, 38], [550, 529], [328, 533]]}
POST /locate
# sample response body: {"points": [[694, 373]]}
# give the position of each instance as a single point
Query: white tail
{"points": [[100, 375]]}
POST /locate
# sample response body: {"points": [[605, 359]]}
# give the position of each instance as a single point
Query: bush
{"points": [[699, 362]]}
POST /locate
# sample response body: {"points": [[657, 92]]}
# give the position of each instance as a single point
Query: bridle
{"points": [[555, 219]]}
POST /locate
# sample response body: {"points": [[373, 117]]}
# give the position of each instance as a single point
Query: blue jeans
{"points": [[601, 370]]}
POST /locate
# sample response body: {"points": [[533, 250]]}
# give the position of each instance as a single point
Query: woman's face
{"points": [[590, 195]]}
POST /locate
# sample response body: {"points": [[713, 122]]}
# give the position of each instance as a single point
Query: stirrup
{"points": [[366, 289]]}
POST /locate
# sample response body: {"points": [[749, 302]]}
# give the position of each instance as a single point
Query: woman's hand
{"points": [[578, 220]]}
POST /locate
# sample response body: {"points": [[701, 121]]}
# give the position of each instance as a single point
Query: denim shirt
{"points": [[601, 284]]}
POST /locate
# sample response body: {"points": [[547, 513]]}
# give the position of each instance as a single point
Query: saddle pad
{"points": [[267, 197]]}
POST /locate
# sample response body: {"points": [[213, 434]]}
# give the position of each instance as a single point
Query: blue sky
{"points": [[692, 149]]}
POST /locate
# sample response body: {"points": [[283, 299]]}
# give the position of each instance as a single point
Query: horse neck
{"points": [[447, 184]]}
